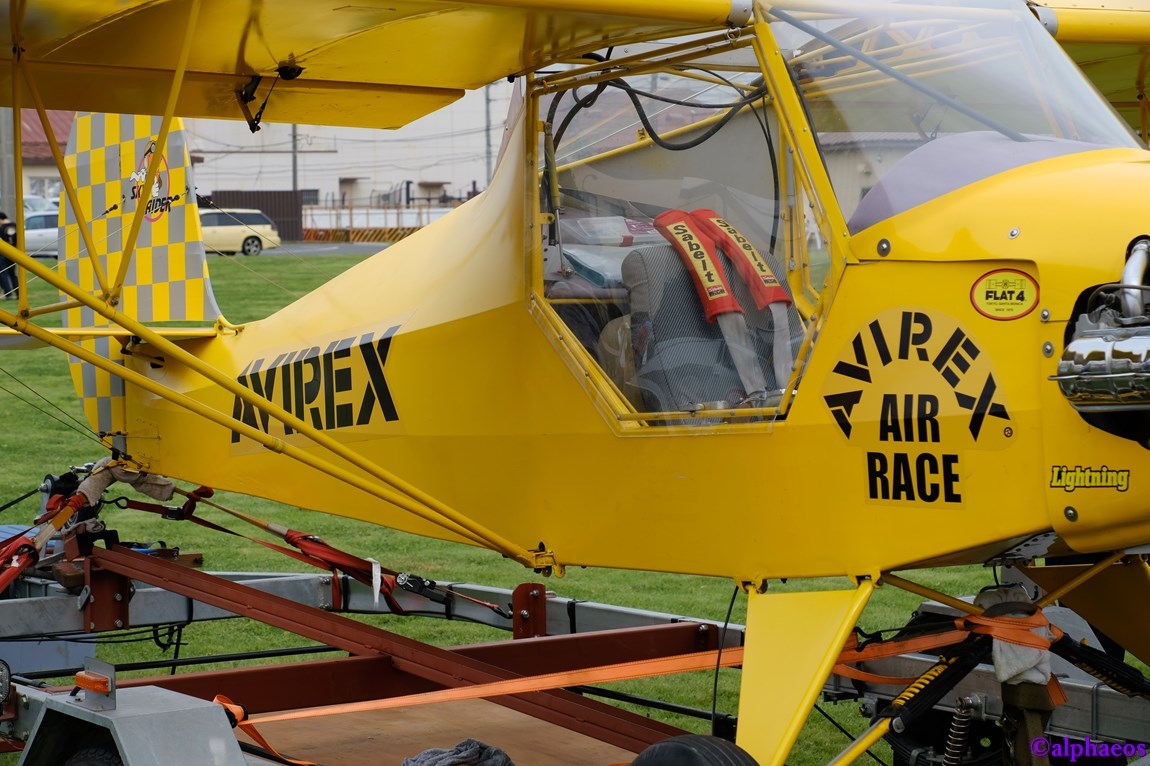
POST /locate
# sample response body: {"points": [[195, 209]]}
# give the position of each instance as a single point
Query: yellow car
{"points": [[238, 231]]}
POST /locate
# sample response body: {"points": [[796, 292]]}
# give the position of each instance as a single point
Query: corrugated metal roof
{"points": [[36, 147]]}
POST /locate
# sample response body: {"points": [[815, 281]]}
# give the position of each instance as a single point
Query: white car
{"points": [[42, 234], [238, 231], [34, 204]]}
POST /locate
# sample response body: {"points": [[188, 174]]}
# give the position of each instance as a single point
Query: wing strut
{"points": [[69, 189], [393, 490], [157, 156]]}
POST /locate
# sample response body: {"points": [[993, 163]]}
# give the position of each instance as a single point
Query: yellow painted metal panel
{"points": [[793, 641]]}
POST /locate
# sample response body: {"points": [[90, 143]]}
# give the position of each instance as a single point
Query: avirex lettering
{"points": [[913, 375], [340, 386]]}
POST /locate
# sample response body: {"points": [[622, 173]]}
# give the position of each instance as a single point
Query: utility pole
{"points": [[8, 199], [294, 157], [487, 133]]}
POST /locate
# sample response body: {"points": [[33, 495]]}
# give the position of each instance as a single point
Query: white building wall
{"points": [[448, 145]]}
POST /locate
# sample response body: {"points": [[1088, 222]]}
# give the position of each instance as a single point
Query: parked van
{"points": [[238, 231]]}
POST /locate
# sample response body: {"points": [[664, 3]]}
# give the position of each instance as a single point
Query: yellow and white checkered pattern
{"points": [[167, 279]]}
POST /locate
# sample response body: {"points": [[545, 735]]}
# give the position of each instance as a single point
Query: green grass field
{"points": [[42, 434]]}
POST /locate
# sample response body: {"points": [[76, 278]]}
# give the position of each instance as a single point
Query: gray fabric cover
{"points": [[469, 752]]}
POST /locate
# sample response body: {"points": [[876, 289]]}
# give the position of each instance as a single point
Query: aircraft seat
{"points": [[675, 359]]}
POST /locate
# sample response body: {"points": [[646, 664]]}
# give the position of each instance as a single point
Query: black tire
{"points": [[94, 756], [694, 750], [252, 246]]}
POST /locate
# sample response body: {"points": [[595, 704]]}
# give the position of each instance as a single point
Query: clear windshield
{"points": [[911, 100]]}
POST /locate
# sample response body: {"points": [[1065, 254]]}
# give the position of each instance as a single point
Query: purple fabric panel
{"points": [[948, 163]]}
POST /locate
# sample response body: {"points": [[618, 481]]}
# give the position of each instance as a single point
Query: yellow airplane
{"points": [[789, 290]]}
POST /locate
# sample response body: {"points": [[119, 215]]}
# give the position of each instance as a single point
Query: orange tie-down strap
{"points": [[239, 718], [626, 671], [1013, 630]]}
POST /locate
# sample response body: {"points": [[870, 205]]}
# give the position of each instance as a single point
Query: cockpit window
{"points": [[938, 95], [674, 213]]}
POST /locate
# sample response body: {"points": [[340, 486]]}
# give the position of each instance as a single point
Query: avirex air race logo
{"points": [[913, 390]]}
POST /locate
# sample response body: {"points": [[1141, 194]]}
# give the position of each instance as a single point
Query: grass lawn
{"points": [[43, 434]]}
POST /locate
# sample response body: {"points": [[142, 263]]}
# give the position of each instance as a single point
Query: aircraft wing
{"points": [[366, 63], [1109, 42]]}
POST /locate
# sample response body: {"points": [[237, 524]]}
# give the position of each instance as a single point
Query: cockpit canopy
{"points": [[943, 94]]}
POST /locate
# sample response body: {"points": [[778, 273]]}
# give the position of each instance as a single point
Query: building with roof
{"points": [[39, 168]]}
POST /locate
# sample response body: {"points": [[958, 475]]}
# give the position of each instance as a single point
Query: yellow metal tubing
{"points": [[425, 506], [182, 333], [1054, 595], [796, 143], [158, 155], [638, 64], [646, 141], [69, 187], [1102, 25], [223, 324], [925, 592], [729, 412], [814, 324], [276, 529], [865, 741], [794, 120], [862, 81], [606, 395], [691, 75], [50, 308], [270, 442], [854, 9], [702, 12], [15, 22], [546, 82]]}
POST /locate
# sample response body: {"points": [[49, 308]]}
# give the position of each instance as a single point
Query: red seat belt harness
{"points": [[756, 273], [701, 255], [752, 267]]}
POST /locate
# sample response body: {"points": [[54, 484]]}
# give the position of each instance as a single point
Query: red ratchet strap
{"points": [[17, 553], [750, 264], [239, 718], [355, 567], [312, 551], [701, 255], [58, 504]]}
